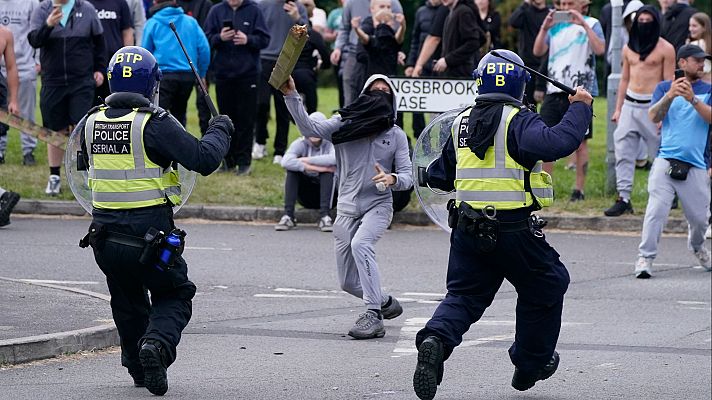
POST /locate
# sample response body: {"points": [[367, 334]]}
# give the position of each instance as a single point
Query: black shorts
{"points": [[62, 106], [553, 109]]}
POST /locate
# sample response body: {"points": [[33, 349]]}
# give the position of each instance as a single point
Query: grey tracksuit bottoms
{"points": [[26, 101], [633, 126], [694, 194], [354, 242]]}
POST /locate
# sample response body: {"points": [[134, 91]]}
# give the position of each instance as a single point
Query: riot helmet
{"points": [[134, 69], [496, 75]]}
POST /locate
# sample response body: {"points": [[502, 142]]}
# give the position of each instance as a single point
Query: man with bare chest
{"points": [[647, 60]]}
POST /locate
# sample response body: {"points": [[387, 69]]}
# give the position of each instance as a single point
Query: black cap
{"points": [[690, 50]]}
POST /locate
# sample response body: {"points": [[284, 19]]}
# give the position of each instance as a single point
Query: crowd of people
{"points": [[234, 45], [113, 67]]}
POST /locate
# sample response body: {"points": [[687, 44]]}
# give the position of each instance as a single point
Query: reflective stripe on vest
{"points": [[121, 176], [497, 180]]}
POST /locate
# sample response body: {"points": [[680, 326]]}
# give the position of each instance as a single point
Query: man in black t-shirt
{"points": [[117, 22], [430, 50]]}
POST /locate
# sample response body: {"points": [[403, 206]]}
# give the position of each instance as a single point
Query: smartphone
{"points": [[679, 74], [56, 3], [227, 24], [562, 16]]}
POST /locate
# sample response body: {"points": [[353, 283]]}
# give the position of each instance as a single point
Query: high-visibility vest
{"points": [[121, 176], [497, 180]]}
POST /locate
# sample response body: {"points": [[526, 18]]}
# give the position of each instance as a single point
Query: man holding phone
{"points": [[572, 48], [237, 31], [684, 106], [70, 38], [647, 59]]}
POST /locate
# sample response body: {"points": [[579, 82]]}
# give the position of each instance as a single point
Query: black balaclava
{"points": [[370, 114], [644, 36]]}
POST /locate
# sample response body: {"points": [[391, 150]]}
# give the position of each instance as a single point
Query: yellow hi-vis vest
{"points": [[121, 176], [497, 180]]}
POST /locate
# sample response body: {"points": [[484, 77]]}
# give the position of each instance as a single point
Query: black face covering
{"points": [[370, 114], [644, 36]]}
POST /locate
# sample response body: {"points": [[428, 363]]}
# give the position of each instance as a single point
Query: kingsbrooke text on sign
{"points": [[433, 95]]}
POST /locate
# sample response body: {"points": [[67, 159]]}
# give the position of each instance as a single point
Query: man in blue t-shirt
{"points": [[684, 108]]}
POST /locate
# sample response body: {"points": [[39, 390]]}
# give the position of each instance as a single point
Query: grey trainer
{"points": [[393, 310], [368, 326], [286, 223]]}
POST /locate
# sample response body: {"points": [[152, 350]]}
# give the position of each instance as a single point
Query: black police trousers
{"points": [[532, 266], [170, 307]]}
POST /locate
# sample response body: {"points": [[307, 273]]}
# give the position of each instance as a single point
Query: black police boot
{"points": [[429, 371], [522, 381], [156, 376], [619, 208]]}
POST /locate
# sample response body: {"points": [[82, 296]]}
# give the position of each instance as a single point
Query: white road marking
{"points": [[411, 326], [101, 296], [693, 302], [296, 296], [59, 282], [306, 290], [209, 248], [424, 294]]}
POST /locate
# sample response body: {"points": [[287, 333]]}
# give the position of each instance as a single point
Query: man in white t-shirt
{"points": [[572, 48]]}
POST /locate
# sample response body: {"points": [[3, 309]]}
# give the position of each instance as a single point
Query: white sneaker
{"points": [[704, 257], [258, 151], [643, 268], [708, 234], [54, 185], [277, 159], [325, 224], [286, 223]]}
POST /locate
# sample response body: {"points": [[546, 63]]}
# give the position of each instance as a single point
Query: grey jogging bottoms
{"points": [[354, 243]]}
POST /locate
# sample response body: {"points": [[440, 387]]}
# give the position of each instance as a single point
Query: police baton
{"points": [[203, 89], [537, 73]]}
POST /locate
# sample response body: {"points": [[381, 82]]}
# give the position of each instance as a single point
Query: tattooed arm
{"points": [[659, 110]]}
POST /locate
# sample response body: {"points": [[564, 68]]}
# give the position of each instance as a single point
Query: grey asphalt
{"points": [[269, 321], [32, 311]]}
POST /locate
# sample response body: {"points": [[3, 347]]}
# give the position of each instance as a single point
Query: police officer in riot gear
{"points": [[493, 162], [131, 147]]}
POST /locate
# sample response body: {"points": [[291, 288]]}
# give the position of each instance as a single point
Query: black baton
{"points": [[203, 89], [537, 73]]}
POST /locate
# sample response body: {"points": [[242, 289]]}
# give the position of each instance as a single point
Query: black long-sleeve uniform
{"points": [[164, 318], [520, 255]]}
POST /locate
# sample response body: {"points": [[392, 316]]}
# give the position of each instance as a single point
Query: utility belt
{"points": [[484, 226], [156, 250]]}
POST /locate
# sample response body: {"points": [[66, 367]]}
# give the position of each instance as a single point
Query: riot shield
{"points": [[78, 174], [428, 148]]}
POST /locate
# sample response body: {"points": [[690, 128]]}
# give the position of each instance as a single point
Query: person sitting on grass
{"points": [[310, 163]]}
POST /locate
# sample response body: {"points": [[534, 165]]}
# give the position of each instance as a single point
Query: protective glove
{"points": [[222, 121]]}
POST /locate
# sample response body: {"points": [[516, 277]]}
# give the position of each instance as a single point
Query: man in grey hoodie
{"points": [[365, 205]]}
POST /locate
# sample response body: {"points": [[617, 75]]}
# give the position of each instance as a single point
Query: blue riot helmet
{"points": [[496, 75], [134, 69]]}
